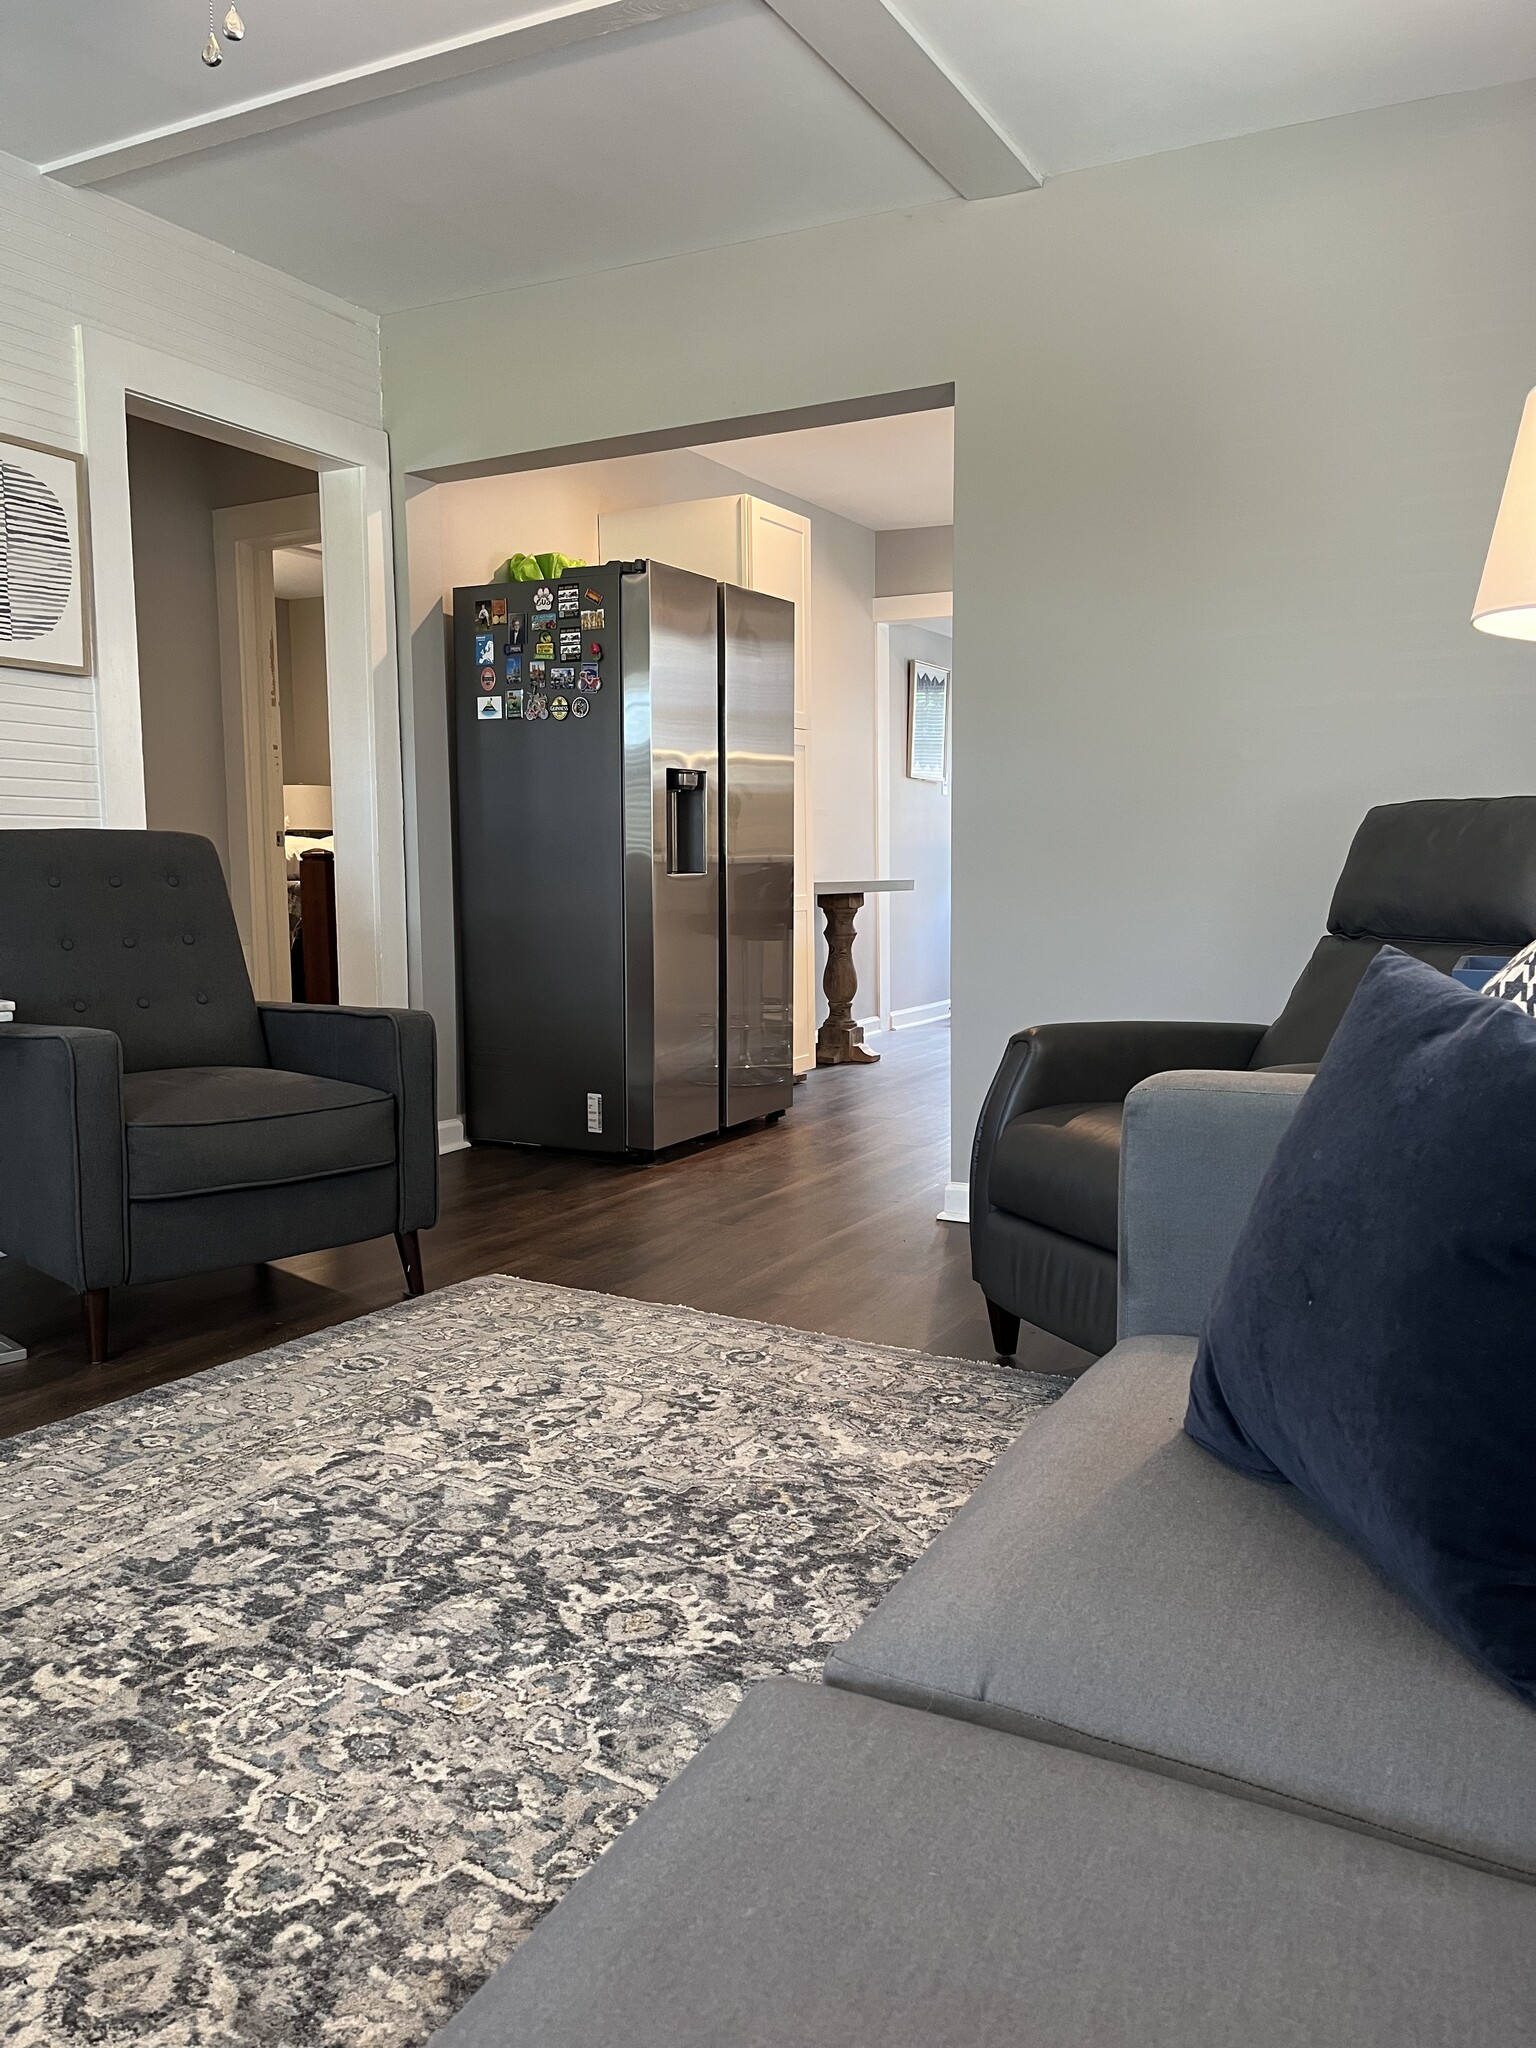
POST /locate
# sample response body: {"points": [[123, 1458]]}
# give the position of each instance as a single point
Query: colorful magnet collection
{"points": [[544, 664]]}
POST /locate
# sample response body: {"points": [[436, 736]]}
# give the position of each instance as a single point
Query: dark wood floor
{"points": [[825, 1221]]}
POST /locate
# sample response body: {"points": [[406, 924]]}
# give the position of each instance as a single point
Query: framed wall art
{"points": [[927, 721], [44, 603]]}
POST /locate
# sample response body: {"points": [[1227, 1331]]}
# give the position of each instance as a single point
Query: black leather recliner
{"points": [[1437, 879]]}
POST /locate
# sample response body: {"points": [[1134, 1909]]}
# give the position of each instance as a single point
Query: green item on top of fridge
{"points": [[522, 568]]}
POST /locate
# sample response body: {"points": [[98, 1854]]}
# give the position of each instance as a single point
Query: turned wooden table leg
{"points": [[840, 1042]]}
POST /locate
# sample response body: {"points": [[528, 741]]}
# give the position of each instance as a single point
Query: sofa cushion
{"points": [[1371, 1341], [1111, 1586], [1061, 1166], [199, 1130], [832, 1870]]}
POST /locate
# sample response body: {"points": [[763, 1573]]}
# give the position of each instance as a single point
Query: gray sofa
{"points": [[155, 1119], [1136, 1753]]}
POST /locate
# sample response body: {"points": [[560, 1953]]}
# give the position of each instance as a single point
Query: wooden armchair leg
{"points": [[1005, 1330], [93, 1304], [410, 1259]]}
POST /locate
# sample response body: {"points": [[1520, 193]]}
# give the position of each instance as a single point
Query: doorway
{"points": [[216, 531], [859, 511]]}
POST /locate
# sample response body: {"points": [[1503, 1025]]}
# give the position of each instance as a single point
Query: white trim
{"points": [[362, 679], [891, 66], [911, 611], [450, 1134], [920, 1013], [883, 819], [243, 539], [870, 1026], [503, 42], [957, 1202]]}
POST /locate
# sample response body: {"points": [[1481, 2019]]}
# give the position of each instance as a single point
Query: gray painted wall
{"points": [[1231, 427], [911, 561], [304, 704], [919, 841]]}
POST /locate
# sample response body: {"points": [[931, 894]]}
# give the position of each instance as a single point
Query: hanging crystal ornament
{"points": [[212, 54], [234, 27]]}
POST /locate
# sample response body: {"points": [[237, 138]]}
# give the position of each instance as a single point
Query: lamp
{"points": [[1506, 597]]}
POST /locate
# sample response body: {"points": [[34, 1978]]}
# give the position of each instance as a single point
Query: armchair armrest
{"points": [[63, 1188], [394, 1051], [1051, 1063], [1194, 1150]]}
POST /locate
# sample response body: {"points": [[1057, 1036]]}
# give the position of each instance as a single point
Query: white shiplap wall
{"points": [[75, 258]]}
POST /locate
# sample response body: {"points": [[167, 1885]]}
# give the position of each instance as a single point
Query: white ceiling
{"points": [[882, 473], [498, 143]]}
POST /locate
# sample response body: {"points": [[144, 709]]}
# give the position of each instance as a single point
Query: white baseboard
{"points": [[957, 1202], [450, 1135], [870, 1026], [920, 1013]]}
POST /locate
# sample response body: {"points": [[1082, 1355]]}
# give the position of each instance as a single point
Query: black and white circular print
{"points": [[36, 571]]}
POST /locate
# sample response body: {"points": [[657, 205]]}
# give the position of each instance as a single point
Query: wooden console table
{"points": [[840, 1042]]}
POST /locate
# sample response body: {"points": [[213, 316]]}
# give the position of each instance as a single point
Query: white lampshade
{"points": [[307, 807], [1506, 597]]}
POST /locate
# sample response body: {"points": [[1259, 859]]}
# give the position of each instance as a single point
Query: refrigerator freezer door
{"points": [[758, 851], [671, 859]]}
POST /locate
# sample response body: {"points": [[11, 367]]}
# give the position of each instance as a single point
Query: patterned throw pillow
{"points": [[1515, 981]]}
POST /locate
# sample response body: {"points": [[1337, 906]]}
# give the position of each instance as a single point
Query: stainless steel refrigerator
{"points": [[624, 817]]}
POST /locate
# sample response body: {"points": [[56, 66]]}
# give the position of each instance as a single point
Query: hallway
{"points": [[825, 1222]]}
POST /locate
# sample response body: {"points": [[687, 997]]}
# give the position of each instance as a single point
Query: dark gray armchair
{"points": [[155, 1119], [1437, 879]]}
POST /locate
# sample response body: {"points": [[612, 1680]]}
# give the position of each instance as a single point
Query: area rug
{"points": [[326, 1673]]}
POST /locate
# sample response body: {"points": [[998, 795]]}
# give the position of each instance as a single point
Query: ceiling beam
{"points": [[553, 28], [891, 66]]}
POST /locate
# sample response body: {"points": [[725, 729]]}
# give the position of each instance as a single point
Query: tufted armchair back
{"points": [[130, 932]]}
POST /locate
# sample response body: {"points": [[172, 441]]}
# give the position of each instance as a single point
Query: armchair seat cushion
{"points": [[204, 1130], [1061, 1167]]}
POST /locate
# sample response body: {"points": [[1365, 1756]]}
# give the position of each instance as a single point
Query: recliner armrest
{"points": [[394, 1051], [1052, 1063], [63, 1199], [1194, 1149]]}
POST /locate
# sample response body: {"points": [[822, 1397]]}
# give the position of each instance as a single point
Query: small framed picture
{"points": [[45, 612], [927, 721]]}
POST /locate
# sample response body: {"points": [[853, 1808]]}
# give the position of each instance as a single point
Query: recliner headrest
{"points": [[1446, 869]]}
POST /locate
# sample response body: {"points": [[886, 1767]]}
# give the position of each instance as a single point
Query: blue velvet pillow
{"points": [[1374, 1339]]}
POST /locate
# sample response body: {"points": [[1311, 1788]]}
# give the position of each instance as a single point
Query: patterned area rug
{"points": [[326, 1673]]}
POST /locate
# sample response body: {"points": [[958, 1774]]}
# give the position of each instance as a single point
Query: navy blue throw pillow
{"points": [[1374, 1339]]}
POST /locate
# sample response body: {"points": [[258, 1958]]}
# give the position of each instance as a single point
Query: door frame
{"points": [[243, 539], [352, 460]]}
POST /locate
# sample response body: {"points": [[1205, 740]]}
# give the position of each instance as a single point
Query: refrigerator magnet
{"points": [[594, 597], [558, 707], [589, 678], [562, 679], [569, 600], [514, 631], [489, 707], [514, 668], [487, 679], [594, 650], [543, 599], [570, 644], [543, 646], [514, 703], [534, 705], [544, 620], [498, 612], [579, 707], [483, 612], [536, 671], [485, 649], [592, 622]]}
